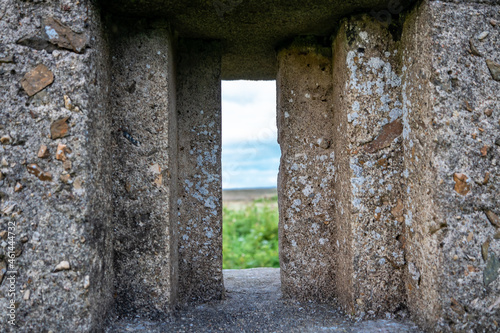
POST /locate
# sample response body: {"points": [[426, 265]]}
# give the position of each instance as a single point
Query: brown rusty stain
{"points": [[484, 249], [34, 169], [389, 132], [484, 151], [383, 163], [461, 186], [486, 178], [398, 210], [467, 106]]}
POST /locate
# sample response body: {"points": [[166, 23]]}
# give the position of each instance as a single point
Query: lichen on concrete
{"points": [[368, 188], [306, 173], [200, 174]]}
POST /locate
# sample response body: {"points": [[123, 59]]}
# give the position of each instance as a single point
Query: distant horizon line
{"points": [[250, 188]]}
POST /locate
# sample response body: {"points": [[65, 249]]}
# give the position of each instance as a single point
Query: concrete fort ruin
{"points": [[388, 119]]}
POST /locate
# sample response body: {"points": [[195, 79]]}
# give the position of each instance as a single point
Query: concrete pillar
{"points": [[200, 183], [305, 181], [145, 168], [368, 193], [55, 203], [451, 115]]}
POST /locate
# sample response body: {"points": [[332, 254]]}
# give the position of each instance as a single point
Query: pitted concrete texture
{"points": [[367, 189], [254, 303], [305, 196], [451, 112], [200, 173], [251, 30], [61, 215], [145, 156], [110, 179]]}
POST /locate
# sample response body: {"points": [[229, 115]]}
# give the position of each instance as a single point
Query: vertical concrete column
{"points": [[145, 167], [200, 183], [451, 112], [55, 208], [368, 194], [305, 181]]}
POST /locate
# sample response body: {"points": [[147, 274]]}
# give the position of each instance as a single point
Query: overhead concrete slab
{"points": [[251, 30]]}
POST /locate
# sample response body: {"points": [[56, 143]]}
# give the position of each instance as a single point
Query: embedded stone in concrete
{"points": [[368, 185], [200, 183], [37, 79], [57, 33], [305, 195], [145, 168]]}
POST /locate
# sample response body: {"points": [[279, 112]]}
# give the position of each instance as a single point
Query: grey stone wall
{"points": [[200, 175], [143, 96], [368, 198], [305, 135], [451, 124], [55, 186]]}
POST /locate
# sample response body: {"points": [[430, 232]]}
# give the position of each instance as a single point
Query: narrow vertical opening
{"points": [[250, 163]]}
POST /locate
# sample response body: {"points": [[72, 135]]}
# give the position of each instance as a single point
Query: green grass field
{"points": [[250, 235]]}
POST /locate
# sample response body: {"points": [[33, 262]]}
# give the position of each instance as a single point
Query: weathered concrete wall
{"points": [[368, 196], [145, 172], [451, 129], [57, 200], [200, 181], [388, 182], [305, 197]]}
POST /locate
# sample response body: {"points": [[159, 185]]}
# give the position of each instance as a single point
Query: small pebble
{"points": [[18, 187], [5, 140], [43, 152], [86, 282], [483, 35], [67, 103], [63, 266]]}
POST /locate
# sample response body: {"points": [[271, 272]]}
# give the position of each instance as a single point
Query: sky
{"points": [[250, 152]]}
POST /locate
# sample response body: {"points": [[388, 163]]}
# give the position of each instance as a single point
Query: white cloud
{"points": [[248, 111]]}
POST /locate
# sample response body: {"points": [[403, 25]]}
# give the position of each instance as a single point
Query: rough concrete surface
{"points": [[305, 197], [143, 95], [450, 114], [200, 172], [251, 30], [254, 303], [57, 202], [367, 188]]}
